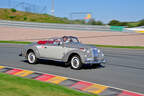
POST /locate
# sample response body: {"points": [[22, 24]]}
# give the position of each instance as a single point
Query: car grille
{"points": [[95, 54]]}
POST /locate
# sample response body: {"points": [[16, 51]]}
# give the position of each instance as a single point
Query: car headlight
{"points": [[85, 50], [102, 55], [99, 51]]}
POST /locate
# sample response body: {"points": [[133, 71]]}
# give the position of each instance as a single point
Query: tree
{"points": [[13, 10], [114, 23], [123, 23], [99, 23], [92, 22], [82, 21], [141, 23]]}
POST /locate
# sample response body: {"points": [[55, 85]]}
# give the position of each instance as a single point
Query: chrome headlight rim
{"points": [[98, 50], [85, 50]]}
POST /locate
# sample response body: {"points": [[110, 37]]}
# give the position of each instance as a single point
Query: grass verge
{"points": [[16, 42], [17, 86], [108, 46]]}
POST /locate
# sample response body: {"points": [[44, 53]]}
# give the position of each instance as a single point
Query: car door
{"points": [[52, 51], [42, 50], [55, 51]]}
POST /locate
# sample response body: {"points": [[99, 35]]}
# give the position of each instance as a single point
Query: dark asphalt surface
{"points": [[124, 68]]}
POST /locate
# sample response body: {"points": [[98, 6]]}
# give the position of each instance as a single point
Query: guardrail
{"points": [[55, 26], [105, 28]]}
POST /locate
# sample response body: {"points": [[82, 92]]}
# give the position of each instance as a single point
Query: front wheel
{"points": [[76, 62], [31, 57]]}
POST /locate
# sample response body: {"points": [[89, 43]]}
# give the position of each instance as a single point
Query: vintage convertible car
{"points": [[67, 49]]}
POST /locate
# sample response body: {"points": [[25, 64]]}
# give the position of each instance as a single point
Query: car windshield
{"points": [[74, 40], [70, 39]]}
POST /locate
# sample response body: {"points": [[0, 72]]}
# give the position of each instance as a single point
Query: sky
{"points": [[103, 10]]}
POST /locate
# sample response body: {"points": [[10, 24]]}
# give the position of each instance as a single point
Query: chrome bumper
{"points": [[95, 62]]}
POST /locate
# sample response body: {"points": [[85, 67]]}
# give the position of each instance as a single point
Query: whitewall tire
{"points": [[31, 57], [76, 62]]}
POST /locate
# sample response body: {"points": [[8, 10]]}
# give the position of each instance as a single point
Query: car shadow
{"points": [[48, 62], [96, 66], [62, 64]]}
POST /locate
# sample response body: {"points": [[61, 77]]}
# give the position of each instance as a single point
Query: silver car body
{"points": [[58, 50]]}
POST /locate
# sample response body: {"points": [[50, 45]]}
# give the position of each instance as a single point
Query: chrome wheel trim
{"points": [[31, 57], [75, 63]]}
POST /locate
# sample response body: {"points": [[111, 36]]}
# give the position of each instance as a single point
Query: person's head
{"points": [[65, 38]]}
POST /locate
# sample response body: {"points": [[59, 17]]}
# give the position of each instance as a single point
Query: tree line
{"points": [[117, 23]]}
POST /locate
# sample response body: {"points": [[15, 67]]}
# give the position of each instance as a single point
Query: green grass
{"points": [[15, 15], [9, 14], [16, 42], [17, 86], [133, 24]]}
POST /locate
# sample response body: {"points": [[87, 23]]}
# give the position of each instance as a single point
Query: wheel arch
{"points": [[33, 50], [69, 55], [29, 50]]}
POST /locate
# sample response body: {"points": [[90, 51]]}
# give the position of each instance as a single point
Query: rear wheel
{"points": [[76, 62], [31, 57]]}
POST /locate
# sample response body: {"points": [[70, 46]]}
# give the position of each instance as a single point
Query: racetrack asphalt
{"points": [[124, 68]]}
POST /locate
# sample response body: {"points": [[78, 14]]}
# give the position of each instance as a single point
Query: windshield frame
{"points": [[70, 39]]}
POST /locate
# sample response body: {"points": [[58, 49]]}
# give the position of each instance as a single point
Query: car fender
{"points": [[35, 51], [80, 53]]}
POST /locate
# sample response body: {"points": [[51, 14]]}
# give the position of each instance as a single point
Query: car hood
{"points": [[80, 45]]}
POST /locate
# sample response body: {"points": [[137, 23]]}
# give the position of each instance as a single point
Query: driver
{"points": [[66, 39]]}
